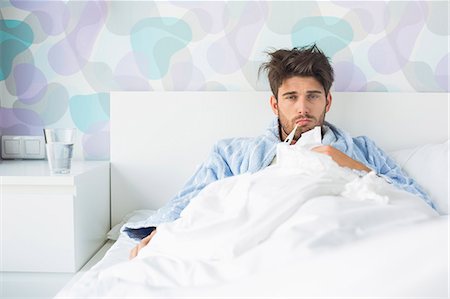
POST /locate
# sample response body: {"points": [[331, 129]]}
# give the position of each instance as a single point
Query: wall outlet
{"points": [[23, 147]]}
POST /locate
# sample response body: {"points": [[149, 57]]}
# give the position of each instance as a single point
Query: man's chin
{"points": [[306, 129]]}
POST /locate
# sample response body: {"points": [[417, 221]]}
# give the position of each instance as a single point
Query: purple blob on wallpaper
{"points": [[30, 82], [69, 55], [53, 16]]}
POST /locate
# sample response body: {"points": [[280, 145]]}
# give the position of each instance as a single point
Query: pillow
{"points": [[428, 165], [134, 216]]}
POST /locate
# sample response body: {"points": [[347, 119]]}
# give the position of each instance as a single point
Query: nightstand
{"points": [[52, 223]]}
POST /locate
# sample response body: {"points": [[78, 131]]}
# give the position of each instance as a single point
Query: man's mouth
{"points": [[303, 121]]}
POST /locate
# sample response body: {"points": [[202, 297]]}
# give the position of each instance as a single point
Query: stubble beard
{"points": [[287, 126]]}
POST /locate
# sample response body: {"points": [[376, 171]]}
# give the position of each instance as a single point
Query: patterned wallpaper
{"points": [[60, 59]]}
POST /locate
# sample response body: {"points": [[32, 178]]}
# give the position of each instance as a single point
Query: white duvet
{"points": [[303, 227]]}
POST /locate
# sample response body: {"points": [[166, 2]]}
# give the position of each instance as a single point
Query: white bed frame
{"points": [[159, 138]]}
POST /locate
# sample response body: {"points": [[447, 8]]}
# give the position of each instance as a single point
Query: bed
{"points": [[159, 138]]}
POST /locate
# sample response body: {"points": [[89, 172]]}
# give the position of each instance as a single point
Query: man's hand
{"points": [[340, 158], [144, 242]]}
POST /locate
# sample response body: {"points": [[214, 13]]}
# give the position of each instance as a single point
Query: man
{"points": [[300, 80]]}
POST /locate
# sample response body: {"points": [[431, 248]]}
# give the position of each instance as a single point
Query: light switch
{"points": [[22, 147], [12, 147], [32, 147]]}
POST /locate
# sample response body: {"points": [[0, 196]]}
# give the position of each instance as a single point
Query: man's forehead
{"points": [[305, 81]]}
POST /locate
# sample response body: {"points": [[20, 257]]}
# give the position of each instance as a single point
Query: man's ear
{"points": [[274, 105], [329, 100]]}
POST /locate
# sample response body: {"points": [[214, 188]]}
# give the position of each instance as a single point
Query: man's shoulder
{"points": [[263, 142], [242, 144], [366, 145], [238, 141], [363, 140]]}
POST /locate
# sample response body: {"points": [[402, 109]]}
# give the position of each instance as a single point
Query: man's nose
{"points": [[302, 106]]}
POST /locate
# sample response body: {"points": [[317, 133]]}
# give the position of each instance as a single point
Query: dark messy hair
{"points": [[308, 61]]}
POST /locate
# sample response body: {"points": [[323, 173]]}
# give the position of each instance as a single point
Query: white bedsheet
{"points": [[304, 227]]}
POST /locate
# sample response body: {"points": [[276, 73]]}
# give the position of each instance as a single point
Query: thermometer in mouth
{"points": [[290, 137]]}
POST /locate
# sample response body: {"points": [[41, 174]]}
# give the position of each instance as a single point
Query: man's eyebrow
{"points": [[314, 91], [289, 93]]}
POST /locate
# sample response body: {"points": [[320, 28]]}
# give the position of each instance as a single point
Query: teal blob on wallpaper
{"points": [[331, 34], [15, 37], [88, 110], [159, 39]]}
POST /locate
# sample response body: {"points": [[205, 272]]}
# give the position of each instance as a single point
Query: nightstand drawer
{"points": [[53, 223]]}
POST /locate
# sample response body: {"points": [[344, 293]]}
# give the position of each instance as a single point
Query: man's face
{"points": [[302, 101]]}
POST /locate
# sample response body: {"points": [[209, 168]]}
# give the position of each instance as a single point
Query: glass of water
{"points": [[59, 146]]}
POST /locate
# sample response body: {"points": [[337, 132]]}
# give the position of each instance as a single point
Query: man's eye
{"points": [[313, 96]]}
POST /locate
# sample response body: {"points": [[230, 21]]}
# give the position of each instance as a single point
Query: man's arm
{"points": [[366, 150], [144, 242], [340, 158], [388, 169]]}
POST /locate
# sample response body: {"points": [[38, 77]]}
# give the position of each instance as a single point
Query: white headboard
{"points": [[159, 138]]}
